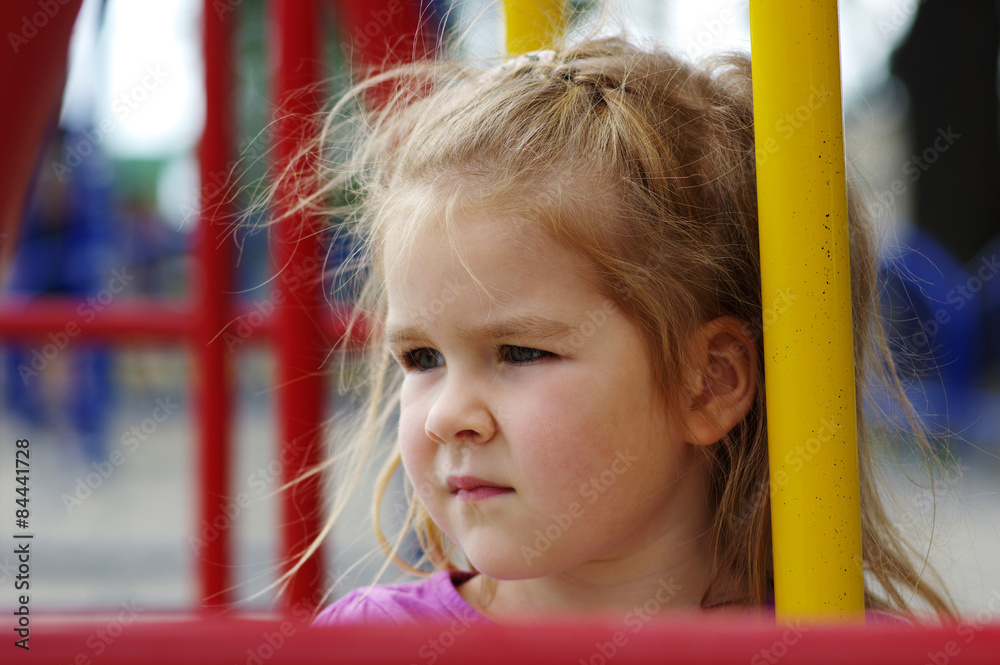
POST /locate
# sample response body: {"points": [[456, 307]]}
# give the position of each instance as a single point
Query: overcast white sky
{"points": [[145, 76]]}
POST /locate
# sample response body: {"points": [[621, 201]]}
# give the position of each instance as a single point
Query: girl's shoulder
{"points": [[432, 600]]}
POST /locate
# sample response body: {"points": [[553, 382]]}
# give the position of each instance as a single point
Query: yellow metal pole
{"points": [[805, 275], [533, 24]]}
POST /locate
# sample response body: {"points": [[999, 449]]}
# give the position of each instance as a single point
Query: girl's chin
{"points": [[520, 565]]}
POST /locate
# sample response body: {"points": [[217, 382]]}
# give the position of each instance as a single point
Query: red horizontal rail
{"points": [[684, 640], [137, 320], [47, 317]]}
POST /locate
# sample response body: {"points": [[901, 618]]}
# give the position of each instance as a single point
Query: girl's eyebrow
{"points": [[536, 327], [527, 324]]}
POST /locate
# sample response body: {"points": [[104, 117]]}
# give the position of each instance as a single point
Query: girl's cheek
{"points": [[556, 448], [576, 439], [413, 440], [411, 431], [412, 410], [417, 460]]}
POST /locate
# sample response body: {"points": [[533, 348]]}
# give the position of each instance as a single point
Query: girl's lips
{"points": [[481, 493], [470, 488]]}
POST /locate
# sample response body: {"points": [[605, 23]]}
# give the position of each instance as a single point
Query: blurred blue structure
{"points": [[67, 248], [937, 329]]}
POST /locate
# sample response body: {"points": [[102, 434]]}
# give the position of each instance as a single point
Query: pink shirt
{"points": [[434, 600]]}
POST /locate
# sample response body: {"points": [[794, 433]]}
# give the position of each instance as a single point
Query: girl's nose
{"points": [[459, 415]]}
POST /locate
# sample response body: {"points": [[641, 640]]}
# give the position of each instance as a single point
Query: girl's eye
{"points": [[521, 355], [422, 359]]}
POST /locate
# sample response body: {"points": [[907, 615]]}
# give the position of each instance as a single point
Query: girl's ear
{"points": [[723, 379]]}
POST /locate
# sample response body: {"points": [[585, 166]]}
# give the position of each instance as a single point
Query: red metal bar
{"points": [[384, 32], [301, 347], [680, 640], [150, 321], [214, 384], [61, 320], [304, 327], [376, 34]]}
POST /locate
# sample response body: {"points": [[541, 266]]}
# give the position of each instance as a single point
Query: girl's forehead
{"points": [[491, 252], [464, 242], [527, 221], [564, 203], [486, 285], [426, 217]]}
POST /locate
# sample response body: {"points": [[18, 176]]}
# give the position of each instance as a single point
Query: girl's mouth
{"points": [[481, 493], [470, 488]]}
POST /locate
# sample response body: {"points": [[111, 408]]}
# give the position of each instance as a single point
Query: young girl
{"points": [[563, 267]]}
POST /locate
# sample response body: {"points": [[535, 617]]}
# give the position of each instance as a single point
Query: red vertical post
{"points": [[33, 65], [384, 32], [299, 314], [213, 313], [377, 34]]}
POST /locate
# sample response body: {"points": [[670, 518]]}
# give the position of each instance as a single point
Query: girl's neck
{"points": [[671, 574]]}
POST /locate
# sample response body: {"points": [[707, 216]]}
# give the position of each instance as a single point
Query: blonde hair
{"points": [[645, 165]]}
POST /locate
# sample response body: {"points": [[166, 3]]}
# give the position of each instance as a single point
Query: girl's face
{"points": [[530, 424]]}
